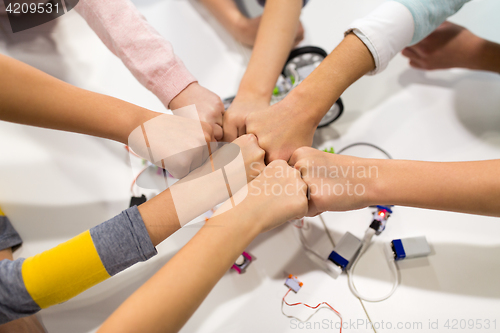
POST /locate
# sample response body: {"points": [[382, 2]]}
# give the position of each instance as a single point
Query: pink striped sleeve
{"points": [[142, 49]]}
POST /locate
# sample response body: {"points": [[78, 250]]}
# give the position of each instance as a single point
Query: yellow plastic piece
{"points": [[56, 275], [1, 213]]}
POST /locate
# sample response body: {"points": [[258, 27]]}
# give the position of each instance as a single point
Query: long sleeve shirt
{"points": [[397, 24], [28, 285], [148, 56]]}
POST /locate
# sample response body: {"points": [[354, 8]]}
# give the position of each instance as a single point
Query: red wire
{"points": [[135, 179], [131, 151], [299, 226], [314, 307]]}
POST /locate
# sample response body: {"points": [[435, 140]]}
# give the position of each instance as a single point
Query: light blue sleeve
{"points": [[429, 14]]}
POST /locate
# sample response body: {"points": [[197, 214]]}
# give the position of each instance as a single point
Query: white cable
{"points": [[350, 273], [327, 231], [306, 246]]}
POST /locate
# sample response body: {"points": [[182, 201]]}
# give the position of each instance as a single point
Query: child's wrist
{"points": [[296, 108], [243, 217], [253, 93], [134, 120], [487, 55], [382, 187]]}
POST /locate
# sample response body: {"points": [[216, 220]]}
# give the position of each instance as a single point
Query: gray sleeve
{"points": [[15, 301], [122, 241], [263, 2], [429, 14], [8, 235]]}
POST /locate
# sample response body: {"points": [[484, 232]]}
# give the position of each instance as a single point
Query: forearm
{"points": [[225, 11], [468, 187], [34, 98], [148, 56], [488, 57], [275, 38], [170, 297], [160, 217], [167, 300], [349, 61], [56, 275], [201, 190]]}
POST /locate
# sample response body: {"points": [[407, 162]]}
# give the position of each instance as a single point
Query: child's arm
{"points": [[54, 276], [275, 38], [227, 13], [34, 98], [29, 324], [291, 123], [467, 187], [453, 46], [166, 301], [241, 27], [150, 58], [369, 45]]}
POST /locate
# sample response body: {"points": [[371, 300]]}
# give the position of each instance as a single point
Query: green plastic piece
{"points": [[331, 151], [276, 91], [292, 78]]}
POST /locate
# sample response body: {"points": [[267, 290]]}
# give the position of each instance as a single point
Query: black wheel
{"points": [[304, 50]]}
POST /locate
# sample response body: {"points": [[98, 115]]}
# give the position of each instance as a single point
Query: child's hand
{"points": [[209, 106], [277, 195], [280, 130], [253, 155], [336, 182], [449, 46], [236, 116], [175, 143], [245, 30]]}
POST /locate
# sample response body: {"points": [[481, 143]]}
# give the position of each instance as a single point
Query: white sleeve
{"points": [[385, 32]]}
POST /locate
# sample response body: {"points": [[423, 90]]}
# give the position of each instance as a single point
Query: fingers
{"points": [[299, 154], [409, 52], [218, 132], [208, 131], [416, 64], [415, 57], [230, 133], [274, 155], [242, 130]]}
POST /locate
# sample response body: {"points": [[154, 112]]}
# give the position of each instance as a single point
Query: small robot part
{"points": [[293, 283], [380, 217], [242, 263], [343, 254], [407, 248], [331, 150]]}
